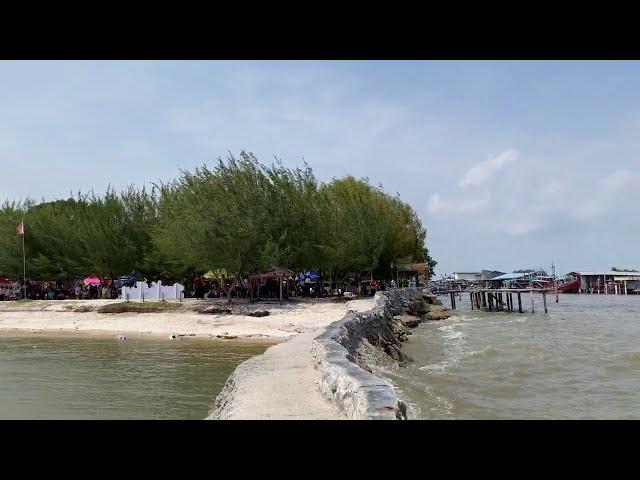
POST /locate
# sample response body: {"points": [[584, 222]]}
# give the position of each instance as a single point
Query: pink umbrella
{"points": [[92, 281]]}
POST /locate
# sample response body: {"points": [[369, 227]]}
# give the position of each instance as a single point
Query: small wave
{"points": [[489, 351], [436, 367], [450, 333], [437, 405]]}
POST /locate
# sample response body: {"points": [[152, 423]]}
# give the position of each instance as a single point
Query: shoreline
{"points": [[290, 380], [130, 335], [56, 318]]}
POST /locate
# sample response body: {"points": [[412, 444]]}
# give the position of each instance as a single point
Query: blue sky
{"points": [[508, 164]]}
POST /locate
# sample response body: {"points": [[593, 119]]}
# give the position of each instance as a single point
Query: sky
{"points": [[508, 164]]}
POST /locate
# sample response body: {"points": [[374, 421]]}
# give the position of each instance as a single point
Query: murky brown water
{"points": [[581, 361], [110, 379]]}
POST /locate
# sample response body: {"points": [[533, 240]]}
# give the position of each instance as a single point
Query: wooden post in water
{"points": [[471, 300], [544, 299], [532, 309], [520, 302]]}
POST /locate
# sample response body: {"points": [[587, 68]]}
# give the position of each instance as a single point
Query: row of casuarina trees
{"points": [[240, 215]]}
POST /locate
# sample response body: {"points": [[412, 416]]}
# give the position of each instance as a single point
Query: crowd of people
{"points": [[303, 285], [300, 286], [106, 290]]}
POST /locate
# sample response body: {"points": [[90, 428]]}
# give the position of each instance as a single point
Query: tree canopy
{"points": [[238, 215]]}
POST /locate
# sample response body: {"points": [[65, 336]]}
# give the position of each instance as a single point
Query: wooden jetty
{"points": [[499, 299]]}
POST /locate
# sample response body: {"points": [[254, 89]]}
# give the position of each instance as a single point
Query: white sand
{"points": [[52, 317]]}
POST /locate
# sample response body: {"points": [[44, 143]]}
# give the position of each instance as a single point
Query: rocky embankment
{"points": [[326, 373], [344, 352]]}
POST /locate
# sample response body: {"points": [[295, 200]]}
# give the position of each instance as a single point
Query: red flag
{"points": [[20, 229]]}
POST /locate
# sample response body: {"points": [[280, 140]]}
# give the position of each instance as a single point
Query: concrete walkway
{"points": [[282, 383]]}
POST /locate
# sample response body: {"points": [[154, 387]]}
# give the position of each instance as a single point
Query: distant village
{"points": [[612, 282]]}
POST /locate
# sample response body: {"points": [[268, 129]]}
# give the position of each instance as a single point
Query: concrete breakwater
{"points": [[344, 351], [325, 373]]}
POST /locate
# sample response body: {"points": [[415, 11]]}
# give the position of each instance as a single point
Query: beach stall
{"points": [[408, 270], [7, 289], [270, 283]]}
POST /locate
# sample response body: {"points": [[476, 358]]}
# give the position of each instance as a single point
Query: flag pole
{"points": [[24, 264]]}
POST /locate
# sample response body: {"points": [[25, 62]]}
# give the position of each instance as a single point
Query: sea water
{"points": [[67, 378], [579, 361]]}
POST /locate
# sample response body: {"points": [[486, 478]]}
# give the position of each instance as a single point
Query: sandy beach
{"points": [[58, 318]]}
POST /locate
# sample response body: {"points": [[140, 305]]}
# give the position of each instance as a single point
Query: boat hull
{"points": [[572, 286]]}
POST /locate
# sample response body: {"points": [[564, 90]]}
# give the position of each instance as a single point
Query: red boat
{"points": [[569, 284]]}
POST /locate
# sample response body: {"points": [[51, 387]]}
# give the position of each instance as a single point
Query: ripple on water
{"points": [[579, 361], [488, 351]]}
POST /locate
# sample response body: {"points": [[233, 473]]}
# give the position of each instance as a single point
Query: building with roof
{"points": [[609, 282]]}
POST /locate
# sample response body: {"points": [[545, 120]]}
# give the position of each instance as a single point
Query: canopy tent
{"points": [[92, 281], [275, 272], [127, 280], [312, 274], [216, 274], [419, 268]]}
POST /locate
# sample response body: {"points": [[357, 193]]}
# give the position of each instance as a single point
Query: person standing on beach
{"points": [[78, 291], [307, 286]]}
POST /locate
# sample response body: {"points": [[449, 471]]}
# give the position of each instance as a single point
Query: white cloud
{"points": [[613, 192], [481, 172], [462, 206], [620, 179]]}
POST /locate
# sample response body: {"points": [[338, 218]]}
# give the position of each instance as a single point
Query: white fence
{"points": [[156, 291]]}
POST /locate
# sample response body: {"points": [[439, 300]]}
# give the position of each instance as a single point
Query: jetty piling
{"points": [[532, 308], [499, 299]]}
